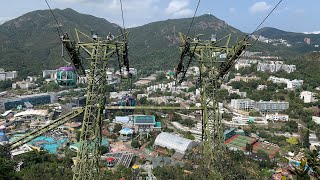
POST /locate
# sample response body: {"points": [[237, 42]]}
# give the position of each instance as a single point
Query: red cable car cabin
{"points": [[110, 162]]}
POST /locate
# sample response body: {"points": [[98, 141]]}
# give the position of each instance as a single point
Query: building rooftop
{"points": [[73, 124], [3, 137], [228, 131], [76, 146], [239, 141], [36, 112], [144, 119], [172, 141]]}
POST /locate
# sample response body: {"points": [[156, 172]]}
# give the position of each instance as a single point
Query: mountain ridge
{"points": [[29, 43]]}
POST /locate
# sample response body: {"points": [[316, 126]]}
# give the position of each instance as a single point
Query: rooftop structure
{"points": [[229, 133], [32, 112], [122, 119], [271, 106], [277, 117], [34, 99], [308, 97], [316, 119], [7, 75], [143, 124], [21, 150], [242, 104], [294, 84], [123, 158], [172, 141], [291, 84], [238, 77], [3, 137], [275, 66], [52, 74], [278, 80], [144, 119], [126, 131], [23, 85], [239, 141]]}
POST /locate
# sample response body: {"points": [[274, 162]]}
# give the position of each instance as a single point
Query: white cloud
{"points": [[314, 32], [232, 10], [79, 1], [4, 19], [178, 8], [260, 7], [299, 11], [135, 12]]}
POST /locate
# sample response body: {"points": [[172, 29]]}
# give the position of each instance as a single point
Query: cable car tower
{"points": [[209, 57], [98, 52]]}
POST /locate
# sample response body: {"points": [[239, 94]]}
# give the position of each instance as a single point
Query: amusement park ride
{"points": [[99, 51]]}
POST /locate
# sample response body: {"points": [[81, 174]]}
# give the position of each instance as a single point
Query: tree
{"points": [[291, 126], [51, 86], [302, 170], [7, 166], [314, 161], [113, 136], [188, 135], [135, 144], [249, 147], [117, 128], [104, 149], [160, 77], [254, 113], [176, 117], [119, 113], [304, 136], [78, 135], [143, 100], [4, 85]]}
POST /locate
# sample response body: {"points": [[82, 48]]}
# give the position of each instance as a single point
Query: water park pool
{"points": [[51, 144]]}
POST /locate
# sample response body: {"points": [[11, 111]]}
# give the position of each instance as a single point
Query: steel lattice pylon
{"points": [[99, 52], [207, 55]]}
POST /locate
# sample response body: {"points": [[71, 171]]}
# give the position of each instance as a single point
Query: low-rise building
{"points": [[4, 76], [23, 85], [271, 106], [316, 119], [34, 99], [242, 104], [308, 96], [261, 87], [52, 74], [238, 77], [275, 66], [294, 84], [240, 65], [145, 124], [277, 117], [172, 141], [278, 80]]}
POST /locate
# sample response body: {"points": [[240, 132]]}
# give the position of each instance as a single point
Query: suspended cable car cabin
{"points": [[127, 101], [67, 77]]}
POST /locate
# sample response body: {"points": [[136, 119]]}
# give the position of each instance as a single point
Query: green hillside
{"points": [[296, 39], [30, 43]]}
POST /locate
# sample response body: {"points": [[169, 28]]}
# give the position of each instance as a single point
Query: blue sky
{"points": [[291, 15]]}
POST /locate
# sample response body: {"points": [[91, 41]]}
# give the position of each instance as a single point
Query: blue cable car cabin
{"points": [[66, 77]]}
